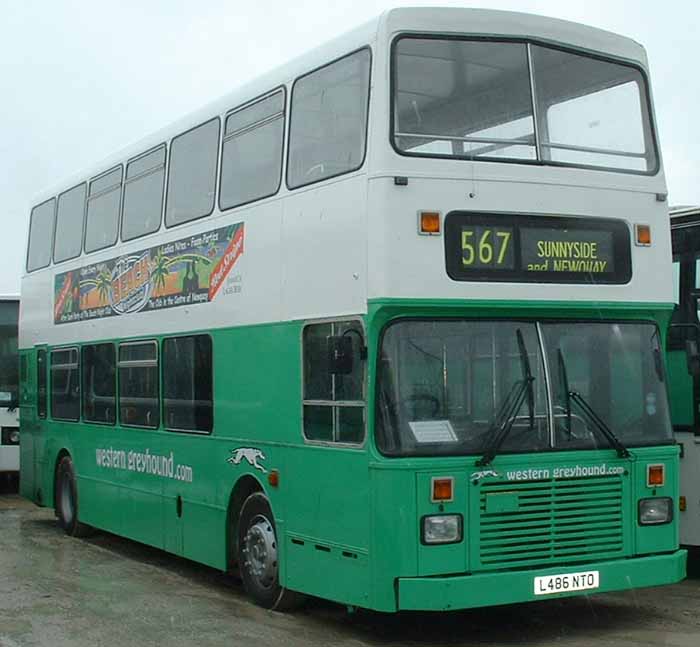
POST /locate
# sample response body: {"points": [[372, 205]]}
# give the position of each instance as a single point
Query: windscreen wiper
{"points": [[527, 374], [598, 422], [563, 376], [505, 419]]}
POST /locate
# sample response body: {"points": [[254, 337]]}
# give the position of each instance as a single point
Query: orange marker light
{"points": [[273, 478], [643, 235], [682, 504], [656, 476], [442, 489], [429, 223]]}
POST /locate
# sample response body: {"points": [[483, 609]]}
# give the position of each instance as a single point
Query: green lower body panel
{"points": [[487, 589]]}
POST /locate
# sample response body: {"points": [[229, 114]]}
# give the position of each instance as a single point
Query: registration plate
{"points": [[547, 584]]}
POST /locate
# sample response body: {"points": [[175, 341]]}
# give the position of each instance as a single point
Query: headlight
{"points": [[9, 436], [653, 512], [442, 529]]}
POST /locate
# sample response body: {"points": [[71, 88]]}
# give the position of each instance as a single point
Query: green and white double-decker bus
{"points": [[384, 326]]}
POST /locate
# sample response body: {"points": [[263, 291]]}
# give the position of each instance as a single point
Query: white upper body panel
{"points": [[323, 250]]}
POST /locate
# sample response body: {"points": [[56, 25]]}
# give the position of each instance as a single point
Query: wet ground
{"points": [[106, 591]]}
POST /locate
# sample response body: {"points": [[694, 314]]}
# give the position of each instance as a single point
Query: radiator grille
{"points": [[554, 520]]}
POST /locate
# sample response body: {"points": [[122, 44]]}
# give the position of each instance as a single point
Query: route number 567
{"points": [[485, 246]]}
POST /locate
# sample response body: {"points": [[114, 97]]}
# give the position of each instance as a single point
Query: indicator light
{"points": [[643, 235], [656, 475], [429, 223], [442, 489], [682, 505], [273, 478]]}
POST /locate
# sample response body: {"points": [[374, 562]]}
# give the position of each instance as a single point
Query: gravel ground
{"points": [[105, 590]]}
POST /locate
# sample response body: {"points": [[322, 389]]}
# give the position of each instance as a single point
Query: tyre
{"points": [[258, 560], [67, 500]]}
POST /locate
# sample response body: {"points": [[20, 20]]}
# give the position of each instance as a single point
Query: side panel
{"points": [[690, 489]]}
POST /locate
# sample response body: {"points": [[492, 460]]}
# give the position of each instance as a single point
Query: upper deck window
{"points": [[103, 210], [487, 100], [328, 126], [69, 224], [192, 174], [251, 165], [143, 194], [40, 235]]}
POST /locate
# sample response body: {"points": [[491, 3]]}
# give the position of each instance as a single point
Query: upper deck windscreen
{"points": [[498, 100]]}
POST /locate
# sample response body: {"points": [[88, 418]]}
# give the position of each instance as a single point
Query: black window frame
{"points": [[163, 398], [126, 181], [552, 449], [139, 364], [51, 235], [333, 404], [290, 112], [70, 366], [285, 128], [98, 194], [645, 95], [169, 170], [55, 227], [84, 376]]}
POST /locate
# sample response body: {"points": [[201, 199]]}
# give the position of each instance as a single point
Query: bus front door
{"points": [[33, 411]]}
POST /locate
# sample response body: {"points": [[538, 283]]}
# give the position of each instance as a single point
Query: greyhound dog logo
{"points": [[250, 454], [478, 476]]}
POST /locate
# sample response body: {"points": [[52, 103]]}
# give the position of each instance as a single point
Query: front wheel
{"points": [[258, 557], [67, 500]]}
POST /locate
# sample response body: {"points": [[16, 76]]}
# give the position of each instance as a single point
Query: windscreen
{"points": [[9, 358], [485, 99], [442, 386], [617, 370]]}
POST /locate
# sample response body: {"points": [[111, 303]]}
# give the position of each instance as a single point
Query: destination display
{"points": [[536, 249]]}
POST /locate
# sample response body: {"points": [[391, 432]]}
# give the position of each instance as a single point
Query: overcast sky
{"points": [[80, 80]]}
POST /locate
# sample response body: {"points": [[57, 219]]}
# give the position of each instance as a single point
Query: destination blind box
{"points": [[537, 249]]}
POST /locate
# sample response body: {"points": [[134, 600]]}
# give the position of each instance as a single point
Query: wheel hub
{"points": [[260, 551]]}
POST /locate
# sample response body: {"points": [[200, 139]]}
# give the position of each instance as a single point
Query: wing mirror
{"points": [[340, 355]]}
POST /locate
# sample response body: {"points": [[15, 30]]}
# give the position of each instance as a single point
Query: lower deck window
{"points": [[187, 383], [334, 403], [138, 384], [99, 383], [65, 384]]}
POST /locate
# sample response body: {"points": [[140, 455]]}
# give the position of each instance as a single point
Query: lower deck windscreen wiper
{"points": [[598, 422], [505, 420]]}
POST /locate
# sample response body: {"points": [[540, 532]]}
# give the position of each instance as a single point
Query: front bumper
{"points": [[487, 589]]}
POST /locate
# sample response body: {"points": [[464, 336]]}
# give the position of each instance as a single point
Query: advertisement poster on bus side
{"points": [[179, 273]]}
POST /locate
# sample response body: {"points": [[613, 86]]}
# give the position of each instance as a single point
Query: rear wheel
{"points": [[258, 557], [67, 500]]}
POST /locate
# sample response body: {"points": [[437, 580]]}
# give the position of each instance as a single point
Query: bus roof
{"points": [[461, 21], [685, 210]]}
